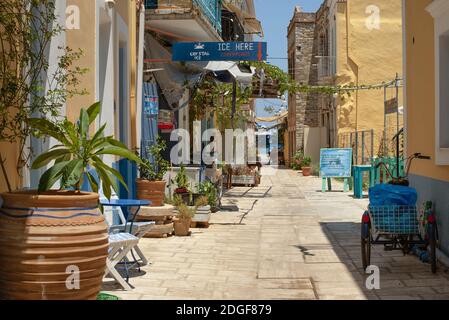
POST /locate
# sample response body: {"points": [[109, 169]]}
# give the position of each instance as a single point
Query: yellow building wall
{"points": [[367, 57], [84, 39], [9, 153], [420, 100]]}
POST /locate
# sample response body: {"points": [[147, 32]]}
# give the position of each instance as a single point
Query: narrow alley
{"points": [[293, 242]]}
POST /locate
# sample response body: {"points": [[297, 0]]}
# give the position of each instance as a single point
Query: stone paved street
{"points": [[294, 242]]}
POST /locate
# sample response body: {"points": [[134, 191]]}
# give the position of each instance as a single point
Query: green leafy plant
{"points": [[76, 153], [155, 171], [306, 161], [297, 160], [181, 180], [208, 189]]}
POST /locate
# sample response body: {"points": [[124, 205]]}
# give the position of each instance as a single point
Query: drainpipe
{"points": [[132, 14], [139, 87]]}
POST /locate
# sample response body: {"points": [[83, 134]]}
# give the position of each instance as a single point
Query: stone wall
{"points": [[303, 45]]}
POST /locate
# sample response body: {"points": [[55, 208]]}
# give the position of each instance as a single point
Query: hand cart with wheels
{"points": [[398, 228]]}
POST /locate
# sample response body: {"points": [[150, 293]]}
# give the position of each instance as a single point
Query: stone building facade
{"points": [[302, 109], [303, 58]]}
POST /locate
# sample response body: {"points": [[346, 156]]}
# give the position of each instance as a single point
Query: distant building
{"points": [[345, 43]]}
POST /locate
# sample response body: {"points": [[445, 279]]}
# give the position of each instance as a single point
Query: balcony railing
{"points": [[326, 66], [211, 9]]}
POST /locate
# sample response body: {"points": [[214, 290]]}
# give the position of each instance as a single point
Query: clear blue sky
{"points": [[275, 16]]}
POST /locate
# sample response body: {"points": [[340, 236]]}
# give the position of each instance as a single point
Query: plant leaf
{"points": [[83, 126], [93, 183], [67, 157], [72, 173], [48, 128], [116, 143], [99, 162], [98, 135], [49, 156], [51, 176], [93, 111], [118, 151], [106, 182]]}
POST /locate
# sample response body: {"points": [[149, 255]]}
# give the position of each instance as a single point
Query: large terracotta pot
{"points": [[45, 239], [153, 191]]}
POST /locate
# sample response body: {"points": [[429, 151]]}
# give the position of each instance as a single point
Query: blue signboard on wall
{"points": [[336, 163], [220, 51]]}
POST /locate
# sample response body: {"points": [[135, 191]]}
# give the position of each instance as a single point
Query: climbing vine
{"points": [[210, 96]]}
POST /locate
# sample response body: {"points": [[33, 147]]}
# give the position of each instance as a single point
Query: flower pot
{"points": [[46, 240], [182, 227], [306, 171], [202, 215], [153, 191]]}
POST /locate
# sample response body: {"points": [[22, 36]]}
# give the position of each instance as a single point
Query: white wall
{"points": [[38, 146]]}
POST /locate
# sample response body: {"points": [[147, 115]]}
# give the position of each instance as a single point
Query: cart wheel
{"points": [[366, 247], [433, 245]]}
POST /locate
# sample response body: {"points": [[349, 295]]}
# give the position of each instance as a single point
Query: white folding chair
{"points": [[138, 229], [120, 244]]}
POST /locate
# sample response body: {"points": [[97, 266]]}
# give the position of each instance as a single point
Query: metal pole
{"points": [[234, 101], [397, 123], [363, 147], [385, 123]]}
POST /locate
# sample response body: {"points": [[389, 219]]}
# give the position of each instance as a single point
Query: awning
{"points": [[274, 118], [175, 77], [251, 24], [224, 71]]}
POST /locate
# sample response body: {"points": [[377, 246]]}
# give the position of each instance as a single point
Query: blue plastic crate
{"points": [[394, 219]]}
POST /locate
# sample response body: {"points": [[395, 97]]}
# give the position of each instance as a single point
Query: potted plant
{"points": [[182, 223], [305, 165], [46, 232], [151, 184], [297, 160], [203, 211], [182, 185], [209, 190]]}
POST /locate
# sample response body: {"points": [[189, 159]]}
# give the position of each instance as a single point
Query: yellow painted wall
{"points": [[420, 71], [367, 57], [84, 39], [9, 153]]}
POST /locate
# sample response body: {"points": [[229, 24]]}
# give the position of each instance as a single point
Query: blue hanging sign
{"points": [[220, 51], [336, 163], [150, 104]]}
